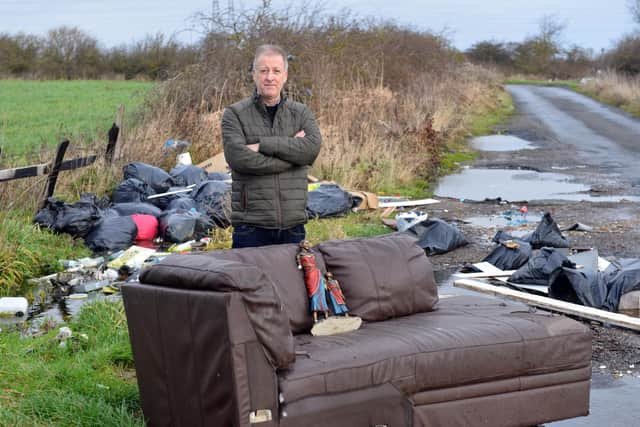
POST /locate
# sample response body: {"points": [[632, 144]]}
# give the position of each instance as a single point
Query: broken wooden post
{"points": [[111, 145], [53, 175], [117, 152]]}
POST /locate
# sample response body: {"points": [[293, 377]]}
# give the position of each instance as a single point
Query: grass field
{"points": [[37, 113]]}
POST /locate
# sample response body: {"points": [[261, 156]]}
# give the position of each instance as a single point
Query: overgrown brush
{"points": [[617, 89], [387, 98]]}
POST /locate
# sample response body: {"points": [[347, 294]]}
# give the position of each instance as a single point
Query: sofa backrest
{"points": [[279, 263], [382, 277]]}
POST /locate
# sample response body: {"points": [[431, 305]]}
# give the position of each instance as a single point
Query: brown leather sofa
{"points": [[222, 339]]}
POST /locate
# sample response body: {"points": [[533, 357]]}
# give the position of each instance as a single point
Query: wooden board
{"points": [[408, 203], [485, 275], [590, 313]]}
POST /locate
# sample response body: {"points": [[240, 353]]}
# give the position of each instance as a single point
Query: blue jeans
{"points": [[247, 236]]}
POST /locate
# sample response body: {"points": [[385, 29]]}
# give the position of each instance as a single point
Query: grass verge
{"points": [[36, 114], [88, 382], [26, 251]]}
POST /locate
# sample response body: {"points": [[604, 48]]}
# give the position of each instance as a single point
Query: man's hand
{"points": [[254, 147], [300, 134]]}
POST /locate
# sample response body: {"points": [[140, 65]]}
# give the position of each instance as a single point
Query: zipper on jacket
{"points": [[276, 177]]}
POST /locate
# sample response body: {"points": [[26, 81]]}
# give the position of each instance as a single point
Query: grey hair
{"points": [[270, 49]]}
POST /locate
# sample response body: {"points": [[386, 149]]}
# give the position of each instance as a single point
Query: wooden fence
{"points": [[59, 164]]}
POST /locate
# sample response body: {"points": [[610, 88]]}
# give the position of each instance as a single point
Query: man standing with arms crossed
{"points": [[269, 142]]}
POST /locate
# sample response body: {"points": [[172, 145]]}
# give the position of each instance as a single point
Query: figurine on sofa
{"points": [[336, 296], [313, 279]]}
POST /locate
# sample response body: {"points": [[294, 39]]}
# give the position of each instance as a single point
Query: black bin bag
{"points": [[436, 236], [113, 233], [214, 200], [185, 175], [159, 180], [542, 268], [329, 200], [131, 190], [182, 226], [509, 255]]}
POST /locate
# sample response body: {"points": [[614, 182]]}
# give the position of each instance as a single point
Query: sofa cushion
{"points": [[382, 277], [468, 340], [279, 263]]}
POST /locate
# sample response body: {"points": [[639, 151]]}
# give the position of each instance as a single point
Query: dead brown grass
{"points": [[617, 89]]}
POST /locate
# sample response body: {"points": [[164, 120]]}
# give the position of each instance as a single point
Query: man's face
{"points": [[270, 76]]}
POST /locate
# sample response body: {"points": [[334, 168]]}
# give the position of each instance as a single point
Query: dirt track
{"points": [[592, 144]]}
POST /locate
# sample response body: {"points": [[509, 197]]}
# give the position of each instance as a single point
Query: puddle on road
{"points": [[517, 185], [501, 143]]}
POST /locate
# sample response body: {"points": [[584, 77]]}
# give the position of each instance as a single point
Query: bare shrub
{"points": [[386, 97]]}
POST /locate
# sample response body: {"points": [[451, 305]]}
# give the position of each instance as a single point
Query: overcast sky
{"points": [[589, 23]]}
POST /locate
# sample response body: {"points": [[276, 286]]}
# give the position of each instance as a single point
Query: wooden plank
{"points": [[78, 162], [590, 313], [408, 203], [485, 275], [53, 175], [24, 172]]}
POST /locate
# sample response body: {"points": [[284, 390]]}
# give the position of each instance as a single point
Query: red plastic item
{"points": [[524, 209], [147, 226]]}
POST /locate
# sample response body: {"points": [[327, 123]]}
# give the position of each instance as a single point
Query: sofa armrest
{"points": [[264, 306], [198, 359]]}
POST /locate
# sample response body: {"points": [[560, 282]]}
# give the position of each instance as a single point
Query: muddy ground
{"points": [[591, 145]]}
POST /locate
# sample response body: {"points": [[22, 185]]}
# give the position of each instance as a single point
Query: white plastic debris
{"points": [[64, 333], [406, 220], [14, 306]]}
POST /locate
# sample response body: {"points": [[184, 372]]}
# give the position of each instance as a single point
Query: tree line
{"points": [[70, 53], [544, 54]]}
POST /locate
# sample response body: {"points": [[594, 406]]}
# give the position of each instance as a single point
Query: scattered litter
{"points": [[64, 333], [76, 219], [179, 227], [437, 237], [602, 366], [578, 227], [548, 235], [159, 180], [87, 287], [130, 208], [509, 254], [147, 226], [133, 257], [13, 306], [407, 219], [131, 190], [185, 175], [407, 203], [78, 296], [542, 268], [112, 234], [329, 200], [214, 200]]}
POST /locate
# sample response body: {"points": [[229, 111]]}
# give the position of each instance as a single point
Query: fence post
{"points": [[111, 145], [53, 175], [121, 132]]}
